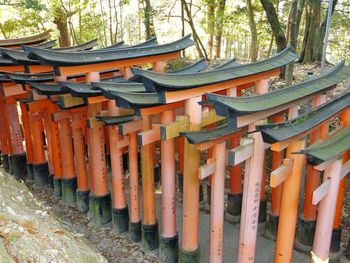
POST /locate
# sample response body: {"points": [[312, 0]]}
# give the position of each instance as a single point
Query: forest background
{"points": [[248, 30]]}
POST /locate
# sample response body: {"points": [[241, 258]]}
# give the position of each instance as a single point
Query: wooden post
{"points": [[69, 180], [135, 221], [189, 251], [289, 204], [217, 203], [251, 200], [150, 238], [325, 217], [234, 197], [169, 240], [120, 212], [307, 220], [18, 156], [99, 197], [276, 192], [40, 165], [83, 190], [28, 142]]}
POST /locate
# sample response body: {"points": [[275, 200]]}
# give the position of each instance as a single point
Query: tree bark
{"points": [[292, 37], [211, 26], [277, 30], [199, 45], [62, 26], [219, 26], [148, 20], [323, 30], [310, 52], [253, 32]]}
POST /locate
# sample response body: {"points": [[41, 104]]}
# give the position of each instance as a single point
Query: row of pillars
{"points": [[85, 184]]}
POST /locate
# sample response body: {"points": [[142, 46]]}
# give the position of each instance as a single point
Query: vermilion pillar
{"points": [[18, 155], [100, 198], [83, 189], [120, 212], [40, 165], [189, 251], [325, 217], [168, 251], [217, 203], [135, 220]]}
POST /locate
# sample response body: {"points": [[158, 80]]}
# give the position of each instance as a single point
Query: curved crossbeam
{"points": [[236, 106], [56, 58], [330, 149], [26, 40], [277, 132], [157, 81]]}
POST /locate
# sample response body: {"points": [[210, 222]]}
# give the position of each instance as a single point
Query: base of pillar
{"points": [[5, 161], [271, 227], [30, 174], [234, 207], [69, 189], [345, 258], [125, 158], [41, 174], [57, 187], [82, 201], [150, 236], [157, 172], [101, 210], [189, 256], [262, 211], [335, 242], [305, 236], [51, 176], [180, 182], [135, 231], [11, 170], [120, 219], [20, 166], [169, 249]]}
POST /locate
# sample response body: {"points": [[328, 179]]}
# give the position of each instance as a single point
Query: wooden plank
{"points": [[242, 152], [207, 169], [320, 192], [129, 127], [123, 143], [68, 101], [93, 123], [172, 130], [280, 174], [345, 170], [149, 136], [209, 117]]}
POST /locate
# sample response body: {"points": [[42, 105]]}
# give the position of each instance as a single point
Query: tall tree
{"points": [[210, 25], [219, 23], [277, 30], [199, 45], [311, 42], [253, 54], [148, 19]]}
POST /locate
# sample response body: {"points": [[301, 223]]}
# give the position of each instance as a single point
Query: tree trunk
{"points": [[149, 25], [312, 28], [277, 30], [228, 47], [323, 30], [199, 45], [62, 27], [211, 26], [253, 32], [219, 25], [292, 37]]}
